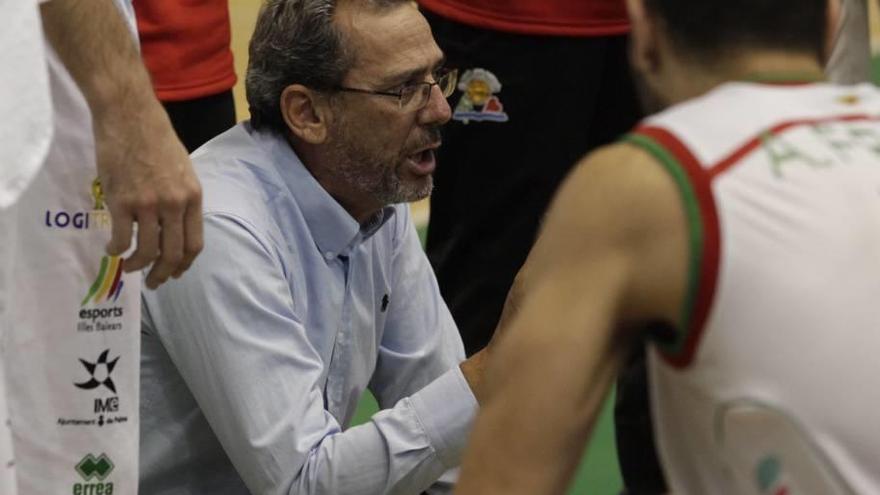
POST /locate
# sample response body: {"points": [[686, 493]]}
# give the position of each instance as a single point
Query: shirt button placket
{"points": [[339, 368]]}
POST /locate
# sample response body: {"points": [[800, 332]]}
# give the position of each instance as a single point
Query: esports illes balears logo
{"points": [[98, 311], [94, 471], [108, 283], [105, 409]]}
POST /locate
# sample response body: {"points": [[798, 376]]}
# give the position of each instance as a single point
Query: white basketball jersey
{"points": [[771, 385], [69, 321]]}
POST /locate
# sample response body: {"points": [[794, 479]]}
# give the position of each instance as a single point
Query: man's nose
{"points": [[437, 111]]}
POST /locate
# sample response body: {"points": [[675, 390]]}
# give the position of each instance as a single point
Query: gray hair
{"points": [[295, 42]]}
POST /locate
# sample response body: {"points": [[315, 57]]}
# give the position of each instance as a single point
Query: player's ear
{"points": [[644, 43], [305, 112], [832, 28]]}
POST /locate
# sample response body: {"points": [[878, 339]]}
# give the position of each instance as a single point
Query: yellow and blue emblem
{"points": [[478, 101]]}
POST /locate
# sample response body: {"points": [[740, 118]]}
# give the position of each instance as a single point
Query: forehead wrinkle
{"points": [[391, 45], [436, 61]]}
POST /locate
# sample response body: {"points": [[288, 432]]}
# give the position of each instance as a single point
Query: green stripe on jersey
{"points": [[695, 231]]}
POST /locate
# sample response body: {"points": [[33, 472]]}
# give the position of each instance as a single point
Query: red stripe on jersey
{"points": [[702, 184], [741, 152]]}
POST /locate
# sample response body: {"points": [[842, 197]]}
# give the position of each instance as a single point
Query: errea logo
{"points": [[94, 471], [91, 467]]}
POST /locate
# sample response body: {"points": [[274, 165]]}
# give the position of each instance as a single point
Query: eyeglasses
{"points": [[414, 97]]}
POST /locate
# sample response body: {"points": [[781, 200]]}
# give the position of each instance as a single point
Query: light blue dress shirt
{"points": [[254, 361]]}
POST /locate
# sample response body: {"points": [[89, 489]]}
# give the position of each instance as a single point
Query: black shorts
{"points": [[559, 98], [200, 120]]}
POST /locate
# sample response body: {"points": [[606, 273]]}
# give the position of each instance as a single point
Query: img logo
{"points": [[98, 311], [97, 381], [100, 372], [94, 471], [98, 217]]}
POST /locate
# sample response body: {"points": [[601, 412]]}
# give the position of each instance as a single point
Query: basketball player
{"points": [[742, 225], [80, 108]]}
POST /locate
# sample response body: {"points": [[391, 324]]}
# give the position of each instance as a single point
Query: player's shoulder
{"points": [[620, 205], [621, 173], [619, 195]]}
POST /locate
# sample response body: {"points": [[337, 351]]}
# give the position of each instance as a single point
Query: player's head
{"points": [[715, 35], [349, 82]]}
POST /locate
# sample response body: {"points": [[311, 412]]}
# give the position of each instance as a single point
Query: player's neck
{"points": [[780, 67], [691, 81]]}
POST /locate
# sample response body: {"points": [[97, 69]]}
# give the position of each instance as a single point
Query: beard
{"points": [[379, 171]]}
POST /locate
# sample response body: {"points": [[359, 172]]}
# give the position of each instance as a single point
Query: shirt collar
{"points": [[335, 231]]}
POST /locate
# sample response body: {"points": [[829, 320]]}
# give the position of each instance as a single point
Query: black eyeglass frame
{"points": [[441, 75]]}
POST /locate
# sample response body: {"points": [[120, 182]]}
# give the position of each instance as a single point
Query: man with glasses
{"points": [[313, 286]]}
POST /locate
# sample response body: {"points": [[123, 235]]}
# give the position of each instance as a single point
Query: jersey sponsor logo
{"points": [[819, 146], [99, 372], [104, 409], [63, 219], [768, 476], [97, 310], [478, 101], [98, 203], [849, 99], [94, 472], [98, 217], [108, 284]]}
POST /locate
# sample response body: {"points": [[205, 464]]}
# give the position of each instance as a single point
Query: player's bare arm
{"points": [[611, 255], [145, 171]]}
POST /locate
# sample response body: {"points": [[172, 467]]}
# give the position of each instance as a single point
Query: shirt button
{"points": [[328, 255]]}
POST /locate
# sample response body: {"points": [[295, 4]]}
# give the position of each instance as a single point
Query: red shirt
{"points": [[185, 46], [545, 17]]}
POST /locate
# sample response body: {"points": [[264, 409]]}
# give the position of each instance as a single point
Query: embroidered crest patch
{"points": [[478, 101]]}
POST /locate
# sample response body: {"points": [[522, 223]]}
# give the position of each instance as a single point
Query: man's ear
{"points": [[643, 38], [833, 18], [305, 112]]}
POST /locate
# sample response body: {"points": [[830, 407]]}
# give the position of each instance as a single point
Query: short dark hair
{"points": [[296, 42], [709, 28]]}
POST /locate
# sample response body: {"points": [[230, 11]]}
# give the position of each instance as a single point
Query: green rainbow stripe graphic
{"points": [[108, 282]]}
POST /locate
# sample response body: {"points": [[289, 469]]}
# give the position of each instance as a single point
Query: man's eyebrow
{"points": [[416, 73]]}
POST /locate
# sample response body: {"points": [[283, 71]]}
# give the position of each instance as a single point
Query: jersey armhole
{"points": [[694, 186]]}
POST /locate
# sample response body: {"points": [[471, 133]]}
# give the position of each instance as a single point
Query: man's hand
{"points": [[148, 178], [145, 172]]}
